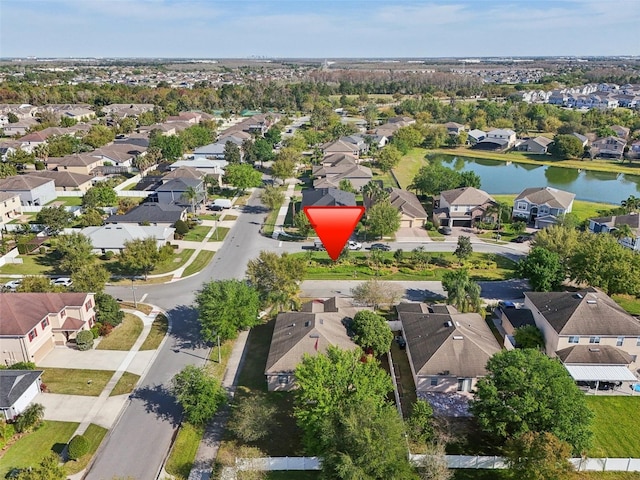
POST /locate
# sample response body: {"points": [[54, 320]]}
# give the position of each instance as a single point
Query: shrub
{"points": [[108, 255], [78, 446], [95, 331], [108, 309], [181, 227], [29, 418], [84, 340], [428, 225], [105, 329], [23, 366], [42, 250], [7, 431]]}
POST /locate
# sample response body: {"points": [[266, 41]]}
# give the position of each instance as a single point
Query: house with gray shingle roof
{"points": [[32, 190], [542, 205], [318, 324], [412, 213], [447, 351], [175, 192], [17, 390], [537, 145], [112, 237], [327, 197], [66, 181], [589, 318], [612, 223], [461, 207], [152, 213]]}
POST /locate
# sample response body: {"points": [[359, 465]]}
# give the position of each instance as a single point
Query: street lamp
{"points": [[133, 291]]}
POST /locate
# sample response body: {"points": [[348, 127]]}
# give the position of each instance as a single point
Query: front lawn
{"points": [[209, 216], [184, 451], [75, 381], [31, 265], [33, 447], [201, 261], [197, 234], [124, 335], [94, 434], [616, 426], [126, 384], [482, 266], [177, 260], [156, 334], [219, 234]]}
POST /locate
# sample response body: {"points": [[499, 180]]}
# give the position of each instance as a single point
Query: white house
{"points": [[17, 390], [542, 205], [32, 190], [112, 237]]}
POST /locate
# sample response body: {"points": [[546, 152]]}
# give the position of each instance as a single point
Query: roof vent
{"points": [[307, 323], [594, 349], [448, 324], [592, 301], [577, 295], [292, 325], [314, 335], [458, 337]]}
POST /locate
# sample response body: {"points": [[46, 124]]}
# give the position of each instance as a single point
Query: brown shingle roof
{"points": [[407, 203], [466, 196], [547, 196], [63, 178], [22, 182], [23, 311], [588, 354], [588, 312]]}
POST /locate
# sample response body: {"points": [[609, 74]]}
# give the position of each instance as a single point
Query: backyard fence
{"points": [[278, 463]]}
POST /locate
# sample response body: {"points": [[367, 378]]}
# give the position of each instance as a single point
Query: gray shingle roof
{"points": [[63, 178], [22, 182], [633, 220], [588, 354], [407, 203], [588, 312], [547, 196], [13, 383], [466, 196], [150, 212], [327, 197]]}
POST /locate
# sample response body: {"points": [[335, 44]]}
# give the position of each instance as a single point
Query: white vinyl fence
{"points": [[278, 463]]}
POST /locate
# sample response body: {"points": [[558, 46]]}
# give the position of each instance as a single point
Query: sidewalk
{"points": [[282, 213]]}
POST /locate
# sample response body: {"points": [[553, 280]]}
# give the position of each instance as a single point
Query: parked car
{"points": [[446, 230], [12, 285], [521, 238], [318, 245], [402, 343], [62, 281], [354, 245], [380, 246], [214, 207]]}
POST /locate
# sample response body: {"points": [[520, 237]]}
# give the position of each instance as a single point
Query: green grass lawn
{"points": [[409, 166], [197, 234], [33, 447], [201, 261], [175, 262], [124, 335], [143, 307], [630, 303], [219, 234], [126, 384], [156, 334], [270, 222], [184, 451], [31, 265], [615, 426], [229, 217], [75, 381], [95, 434], [209, 216], [70, 201], [481, 266]]}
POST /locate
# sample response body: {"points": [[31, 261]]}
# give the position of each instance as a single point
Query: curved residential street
{"points": [[137, 445]]}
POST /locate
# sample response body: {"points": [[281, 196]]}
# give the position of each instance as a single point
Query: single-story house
{"points": [[542, 205], [447, 352], [66, 181], [537, 145], [127, 109], [454, 128], [18, 388], [588, 317], [83, 163], [461, 207], [612, 223], [10, 207], [112, 237], [34, 323], [19, 128], [411, 210], [152, 213], [212, 151], [318, 324], [32, 190], [327, 197]]}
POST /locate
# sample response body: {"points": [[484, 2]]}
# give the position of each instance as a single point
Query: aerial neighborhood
{"points": [[157, 266]]}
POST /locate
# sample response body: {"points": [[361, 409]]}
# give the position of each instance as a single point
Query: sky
{"points": [[318, 28]]}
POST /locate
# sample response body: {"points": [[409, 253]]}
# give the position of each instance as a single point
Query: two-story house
{"points": [[609, 147], [32, 190], [542, 205], [34, 323], [614, 222], [176, 191], [461, 207], [10, 207], [588, 318]]}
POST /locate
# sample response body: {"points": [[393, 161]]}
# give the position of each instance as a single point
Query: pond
{"points": [[506, 178]]}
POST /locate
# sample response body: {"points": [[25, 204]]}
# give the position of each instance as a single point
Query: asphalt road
{"points": [[137, 445]]}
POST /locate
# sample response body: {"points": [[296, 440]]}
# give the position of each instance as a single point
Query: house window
{"points": [[283, 379], [620, 341], [464, 384], [594, 339], [522, 206], [44, 323], [574, 339], [88, 305], [434, 381], [638, 342], [63, 313], [33, 334]]}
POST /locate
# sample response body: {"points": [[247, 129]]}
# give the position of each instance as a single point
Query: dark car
{"points": [[402, 343], [521, 239], [215, 208], [380, 246], [445, 230]]}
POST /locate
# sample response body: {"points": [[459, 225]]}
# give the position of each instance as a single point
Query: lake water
{"points": [[507, 178]]}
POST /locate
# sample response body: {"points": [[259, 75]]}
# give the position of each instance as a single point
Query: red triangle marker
{"points": [[334, 225]]}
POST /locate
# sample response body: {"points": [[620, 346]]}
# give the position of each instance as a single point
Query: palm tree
{"points": [[191, 195], [622, 232], [374, 192], [631, 204]]}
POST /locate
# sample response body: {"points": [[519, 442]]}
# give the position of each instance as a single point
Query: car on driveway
{"points": [[62, 282], [12, 285], [380, 246], [215, 208], [354, 245], [521, 238], [445, 230]]}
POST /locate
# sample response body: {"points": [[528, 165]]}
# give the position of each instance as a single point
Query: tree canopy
{"points": [[54, 218], [99, 196], [543, 269], [199, 394], [139, 256], [383, 219], [372, 332], [225, 307], [526, 391], [242, 176], [74, 251], [276, 277], [462, 292]]}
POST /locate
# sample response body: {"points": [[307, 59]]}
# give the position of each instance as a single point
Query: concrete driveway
{"points": [[71, 408]]}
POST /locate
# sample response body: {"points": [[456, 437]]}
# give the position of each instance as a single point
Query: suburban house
{"points": [[211, 151], [214, 168], [18, 388], [327, 197], [330, 177], [587, 318], [34, 323], [32, 190], [66, 181], [83, 163], [175, 191], [542, 205], [474, 136], [609, 147], [537, 145], [447, 350], [120, 156], [454, 128], [335, 160], [183, 172], [583, 139], [612, 223], [411, 210], [510, 317], [353, 145], [122, 110], [461, 207], [8, 148], [112, 237], [152, 213], [10, 207], [497, 139], [19, 128], [318, 324], [622, 132]]}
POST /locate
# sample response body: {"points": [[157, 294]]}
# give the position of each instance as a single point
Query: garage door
{"points": [[42, 351], [407, 223], [462, 223]]}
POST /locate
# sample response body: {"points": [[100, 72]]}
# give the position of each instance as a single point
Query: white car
{"points": [[354, 245], [62, 281], [12, 285]]}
